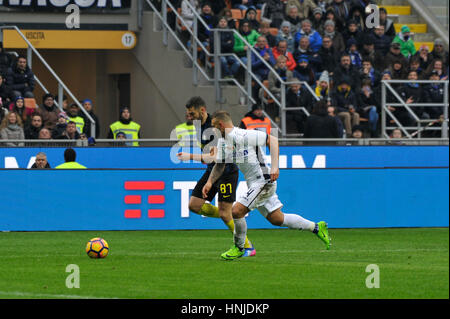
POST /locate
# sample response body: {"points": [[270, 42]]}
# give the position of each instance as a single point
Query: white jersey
{"points": [[244, 148]]}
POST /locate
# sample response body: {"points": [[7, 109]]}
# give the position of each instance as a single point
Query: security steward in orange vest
{"points": [[255, 120]]}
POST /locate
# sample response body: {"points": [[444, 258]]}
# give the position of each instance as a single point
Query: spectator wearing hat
{"points": [[298, 96], [61, 126], [338, 39], [283, 49], [285, 34], [19, 107], [381, 41], [303, 71], [120, 137], [293, 18], [251, 16], [394, 55], [323, 86], [330, 14], [256, 120], [74, 116], [345, 100], [327, 55], [304, 7], [407, 47], [389, 28], [32, 129], [48, 111], [126, 125], [317, 19], [88, 106], [70, 157], [439, 52], [320, 124], [315, 40], [20, 79]]}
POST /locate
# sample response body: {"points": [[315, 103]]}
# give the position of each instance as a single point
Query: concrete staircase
{"points": [[402, 13], [168, 72]]}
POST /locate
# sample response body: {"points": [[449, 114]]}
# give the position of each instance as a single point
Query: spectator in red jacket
{"points": [[281, 49]]}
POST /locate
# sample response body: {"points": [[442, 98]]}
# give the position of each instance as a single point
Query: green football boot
{"points": [[322, 232], [233, 253]]}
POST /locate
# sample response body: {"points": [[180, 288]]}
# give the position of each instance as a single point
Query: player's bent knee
{"points": [[195, 205], [276, 218], [239, 211]]}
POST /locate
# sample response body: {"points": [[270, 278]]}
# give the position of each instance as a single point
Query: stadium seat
{"points": [[30, 105], [237, 14], [228, 3], [274, 31]]}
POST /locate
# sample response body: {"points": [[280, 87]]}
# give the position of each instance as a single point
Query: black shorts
{"points": [[226, 186]]}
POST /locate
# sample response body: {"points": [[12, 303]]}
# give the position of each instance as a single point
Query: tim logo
{"points": [[138, 199]]}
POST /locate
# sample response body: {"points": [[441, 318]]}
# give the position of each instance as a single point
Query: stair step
{"points": [[414, 27], [400, 10], [419, 44], [392, 2], [439, 11], [424, 37]]}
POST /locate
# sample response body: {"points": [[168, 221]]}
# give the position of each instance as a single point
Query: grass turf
{"points": [[413, 263]]}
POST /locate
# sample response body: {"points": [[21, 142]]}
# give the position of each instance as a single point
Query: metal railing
{"points": [[217, 79], [422, 124], [61, 86]]}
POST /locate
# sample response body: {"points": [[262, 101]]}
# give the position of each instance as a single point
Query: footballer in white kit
{"points": [[245, 148]]}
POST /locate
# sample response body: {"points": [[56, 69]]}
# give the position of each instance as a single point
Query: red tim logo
{"points": [[137, 199]]}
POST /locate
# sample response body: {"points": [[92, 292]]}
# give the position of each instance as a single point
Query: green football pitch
{"points": [[412, 263]]}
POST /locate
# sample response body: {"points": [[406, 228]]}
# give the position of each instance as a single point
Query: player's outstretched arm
{"points": [[204, 158], [274, 157], [216, 172]]}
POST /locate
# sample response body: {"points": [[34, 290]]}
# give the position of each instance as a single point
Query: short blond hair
{"points": [[223, 116]]}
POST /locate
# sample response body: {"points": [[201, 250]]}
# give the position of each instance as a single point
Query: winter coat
{"points": [[407, 47], [226, 42], [315, 40], [288, 38], [49, 116], [87, 124], [12, 132], [321, 126], [304, 7], [239, 45], [382, 44], [20, 80], [351, 73], [202, 32], [290, 62], [31, 132], [274, 83], [274, 11], [258, 66], [343, 99], [328, 59]]}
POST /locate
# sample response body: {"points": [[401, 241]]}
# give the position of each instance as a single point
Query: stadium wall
{"points": [[393, 194]]}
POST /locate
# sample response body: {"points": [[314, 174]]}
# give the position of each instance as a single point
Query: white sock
{"points": [[240, 232], [297, 222]]}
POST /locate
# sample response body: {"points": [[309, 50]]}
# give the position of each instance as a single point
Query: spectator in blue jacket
{"points": [[259, 67], [315, 40]]}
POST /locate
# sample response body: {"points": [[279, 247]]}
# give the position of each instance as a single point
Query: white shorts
{"points": [[262, 197]]}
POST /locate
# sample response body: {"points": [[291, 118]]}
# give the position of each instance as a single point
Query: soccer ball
{"points": [[97, 248]]}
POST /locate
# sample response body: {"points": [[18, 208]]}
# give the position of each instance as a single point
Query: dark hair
{"points": [[196, 102], [70, 155], [320, 108], [21, 57], [71, 122]]}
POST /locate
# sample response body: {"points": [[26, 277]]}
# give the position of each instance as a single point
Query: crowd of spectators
{"points": [[327, 44], [21, 118]]}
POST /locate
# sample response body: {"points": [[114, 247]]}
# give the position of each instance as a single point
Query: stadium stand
{"points": [[402, 44]]}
